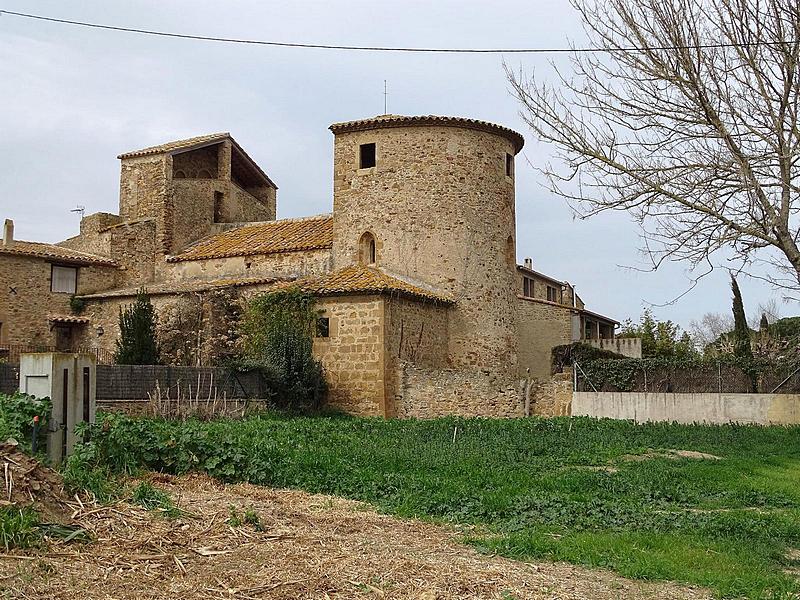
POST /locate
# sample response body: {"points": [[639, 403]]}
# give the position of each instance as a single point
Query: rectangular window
{"points": [[366, 156], [64, 280], [552, 294], [509, 165], [323, 327], [527, 287]]}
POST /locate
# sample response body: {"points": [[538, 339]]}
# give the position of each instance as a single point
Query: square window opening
{"points": [[367, 156], [64, 280], [552, 294], [323, 327]]}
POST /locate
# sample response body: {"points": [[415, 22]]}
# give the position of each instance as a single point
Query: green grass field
{"points": [[576, 490]]}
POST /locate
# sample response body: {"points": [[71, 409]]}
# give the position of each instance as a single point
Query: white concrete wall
{"points": [[762, 409]]}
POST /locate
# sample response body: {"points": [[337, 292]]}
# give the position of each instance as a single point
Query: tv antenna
{"points": [[79, 209], [385, 94]]}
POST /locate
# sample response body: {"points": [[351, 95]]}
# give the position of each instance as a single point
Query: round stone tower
{"points": [[431, 199]]}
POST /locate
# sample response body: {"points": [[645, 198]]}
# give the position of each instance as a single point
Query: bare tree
{"points": [[710, 328], [685, 114]]}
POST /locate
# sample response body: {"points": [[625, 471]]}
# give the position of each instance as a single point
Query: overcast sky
{"points": [[73, 98]]}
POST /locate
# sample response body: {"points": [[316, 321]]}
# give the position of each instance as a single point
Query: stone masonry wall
{"points": [[541, 326], [429, 392], [441, 209], [415, 332], [26, 301], [142, 186], [552, 396], [294, 264], [353, 354]]}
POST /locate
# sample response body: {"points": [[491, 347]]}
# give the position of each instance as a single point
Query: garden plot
{"points": [[243, 541]]}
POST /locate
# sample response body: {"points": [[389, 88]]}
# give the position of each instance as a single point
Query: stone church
{"points": [[424, 309]]}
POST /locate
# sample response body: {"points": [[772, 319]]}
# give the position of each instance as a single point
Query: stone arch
{"points": [[204, 174], [367, 249], [179, 174]]}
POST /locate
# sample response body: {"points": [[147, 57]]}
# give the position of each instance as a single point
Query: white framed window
{"points": [[64, 280]]}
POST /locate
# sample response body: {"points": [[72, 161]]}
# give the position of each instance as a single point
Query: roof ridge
{"points": [[381, 121], [172, 145]]}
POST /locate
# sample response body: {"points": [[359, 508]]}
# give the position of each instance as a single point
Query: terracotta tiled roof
{"points": [[55, 253], [286, 235], [161, 289], [358, 279], [186, 144], [68, 319], [383, 121]]}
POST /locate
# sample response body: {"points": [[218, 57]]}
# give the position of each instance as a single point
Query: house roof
{"points": [[384, 121], [179, 145], [183, 287], [195, 143], [54, 253], [286, 235], [541, 275], [67, 320], [359, 279]]}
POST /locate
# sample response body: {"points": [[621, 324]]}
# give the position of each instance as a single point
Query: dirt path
{"points": [[308, 546]]}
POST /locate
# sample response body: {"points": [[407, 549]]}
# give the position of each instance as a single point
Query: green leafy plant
{"points": [[17, 415], [77, 304], [151, 498], [19, 527], [277, 332], [138, 342]]}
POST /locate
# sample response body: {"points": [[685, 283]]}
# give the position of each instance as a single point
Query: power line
{"points": [[206, 38]]}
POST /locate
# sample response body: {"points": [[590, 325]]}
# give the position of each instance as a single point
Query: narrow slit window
{"points": [[323, 327], [366, 156], [219, 198], [509, 165]]}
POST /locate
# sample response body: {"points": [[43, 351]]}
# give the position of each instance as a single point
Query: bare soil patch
{"points": [[26, 482], [307, 546]]}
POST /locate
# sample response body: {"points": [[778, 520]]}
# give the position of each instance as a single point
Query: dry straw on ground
{"points": [[308, 546]]}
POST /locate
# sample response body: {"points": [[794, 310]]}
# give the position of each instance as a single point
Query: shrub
{"points": [[278, 338], [137, 343]]}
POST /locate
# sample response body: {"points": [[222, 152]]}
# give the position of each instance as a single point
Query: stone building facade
{"points": [[427, 312]]}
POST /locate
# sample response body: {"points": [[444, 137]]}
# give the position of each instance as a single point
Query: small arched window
{"points": [[367, 252]]}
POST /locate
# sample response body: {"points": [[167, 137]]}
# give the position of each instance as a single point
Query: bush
{"points": [[17, 414], [278, 329], [137, 343]]}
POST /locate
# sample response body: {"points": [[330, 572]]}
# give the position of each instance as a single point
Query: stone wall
{"points": [[26, 301], [426, 393], [441, 209], [143, 186], [552, 397], [416, 333], [241, 206], [202, 163], [353, 354], [541, 326], [290, 264]]}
